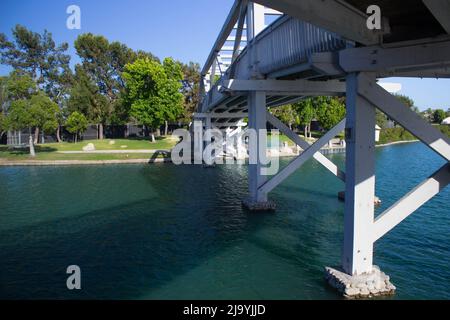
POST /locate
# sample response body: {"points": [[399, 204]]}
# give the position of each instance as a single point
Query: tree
{"points": [[44, 114], [330, 111], [86, 99], [190, 89], [153, 91], [76, 124], [405, 100], [286, 114], [27, 107], [381, 119], [103, 63], [19, 118], [305, 114], [38, 56], [18, 86], [439, 116]]}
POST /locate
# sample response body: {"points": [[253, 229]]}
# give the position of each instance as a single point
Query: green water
{"points": [[167, 232]]}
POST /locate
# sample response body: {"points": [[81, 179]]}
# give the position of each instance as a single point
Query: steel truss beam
{"points": [[403, 58], [301, 159], [285, 87]]}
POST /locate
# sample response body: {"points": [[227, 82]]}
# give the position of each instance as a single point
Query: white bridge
{"points": [[325, 48]]}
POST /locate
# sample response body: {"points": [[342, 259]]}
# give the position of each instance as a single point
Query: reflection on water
{"points": [[162, 231]]}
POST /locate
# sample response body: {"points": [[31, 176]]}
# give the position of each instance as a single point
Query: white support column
{"points": [[358, 277], [360, 182], [257, 121]]}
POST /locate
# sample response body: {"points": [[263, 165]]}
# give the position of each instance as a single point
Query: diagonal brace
{"points": [[411, 202], [301, 159], [328, 164], [399, 112]]}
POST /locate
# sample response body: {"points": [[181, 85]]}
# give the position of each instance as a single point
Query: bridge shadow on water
{"points": [[135, 249]]}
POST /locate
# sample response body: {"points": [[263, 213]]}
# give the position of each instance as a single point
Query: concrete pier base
{"points": [[362, 286], [259, 206]]}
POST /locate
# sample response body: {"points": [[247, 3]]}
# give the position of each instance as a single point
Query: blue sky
{"points": [[182, 29]]}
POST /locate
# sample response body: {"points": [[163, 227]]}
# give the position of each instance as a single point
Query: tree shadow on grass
{"points": [[26, 150]]}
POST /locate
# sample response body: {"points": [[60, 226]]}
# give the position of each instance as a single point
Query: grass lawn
{"points": [[49, 152], [119, 144]]}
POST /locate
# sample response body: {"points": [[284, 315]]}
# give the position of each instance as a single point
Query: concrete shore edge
{"points": [[6, 163]]}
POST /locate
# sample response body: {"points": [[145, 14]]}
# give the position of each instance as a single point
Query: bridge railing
{"points": [[285, 43], [290, 41]]}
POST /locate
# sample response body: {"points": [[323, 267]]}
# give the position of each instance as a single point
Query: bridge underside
{"points": [[295, 58]]}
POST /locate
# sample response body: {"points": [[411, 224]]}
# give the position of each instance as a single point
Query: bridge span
{"points": [[325, 48]]}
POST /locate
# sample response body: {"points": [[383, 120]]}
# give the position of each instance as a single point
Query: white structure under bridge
{"points": [[325, 48]]}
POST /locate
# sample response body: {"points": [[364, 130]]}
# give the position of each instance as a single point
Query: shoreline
{"points": [[42, 163], [396, 142]]}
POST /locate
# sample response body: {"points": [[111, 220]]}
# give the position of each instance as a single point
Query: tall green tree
{"points": [[286, 114], [38, 56], [76, 124], [306, 113], [330, 111], [27, 107], [190, 89], [38, 112], [104, 62], [86, 99], [153, 92], [44, 114]]}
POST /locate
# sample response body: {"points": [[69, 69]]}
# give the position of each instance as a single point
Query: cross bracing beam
{"points": [[301, 159], [411, 202], [286, 87], [403, 115], [332, 15], [405, 57], [328, 164], [441, 11]]}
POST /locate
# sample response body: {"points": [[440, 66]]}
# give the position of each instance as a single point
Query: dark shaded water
{"points": [[162, 231]]}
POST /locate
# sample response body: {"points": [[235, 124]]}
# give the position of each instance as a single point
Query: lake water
{"points": [[179, 232]]}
